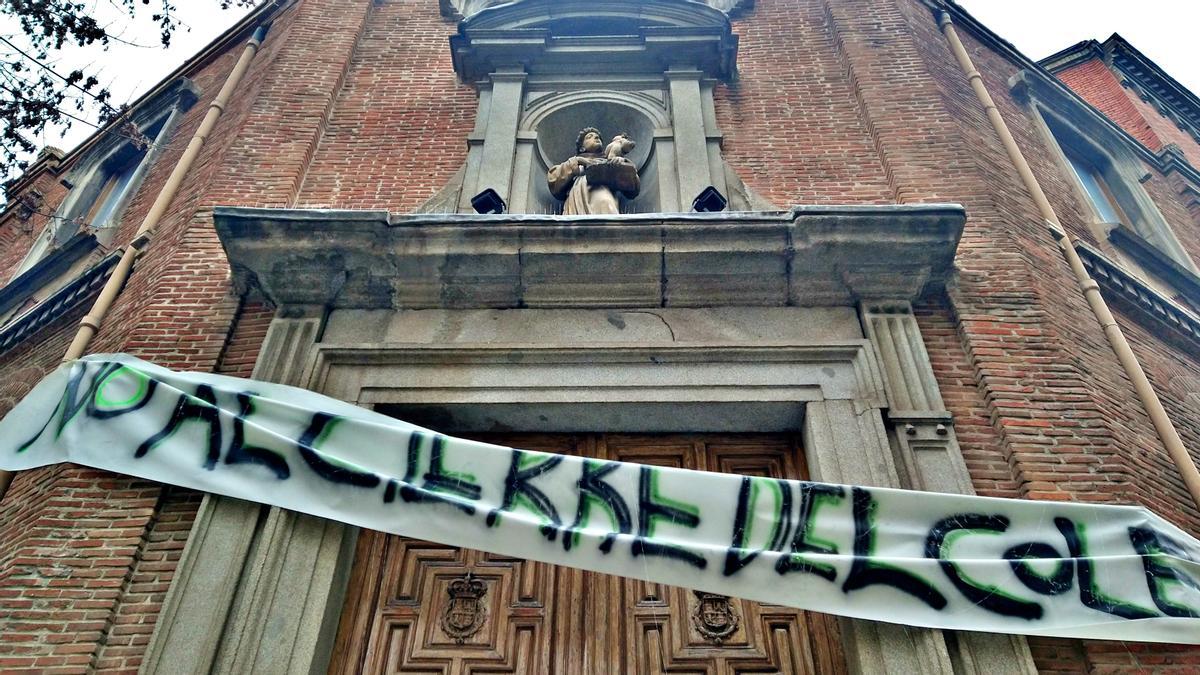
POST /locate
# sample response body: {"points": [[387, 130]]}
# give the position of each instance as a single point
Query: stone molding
{"points": [[65, 299], [808, 256], [928, 457], [459, 10], [1138, 298], [593, 373], [1152, 259], [553, 36], [373, 262], [258, 589]]}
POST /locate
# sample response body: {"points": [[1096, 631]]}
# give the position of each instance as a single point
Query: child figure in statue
{"points": [[587, 181], [619, 147]]}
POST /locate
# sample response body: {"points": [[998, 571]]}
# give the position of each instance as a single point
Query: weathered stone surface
{"points": [[465, 9], [804, 257], [557, 36]]}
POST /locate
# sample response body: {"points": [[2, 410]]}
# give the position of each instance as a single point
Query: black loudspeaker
{"points": [[709, 200], [488, 202]]}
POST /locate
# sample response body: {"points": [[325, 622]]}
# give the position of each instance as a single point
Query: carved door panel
{"points": [[417, 607]]}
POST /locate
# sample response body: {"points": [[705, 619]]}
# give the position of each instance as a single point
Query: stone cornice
{"points": [[1154, 85], [809, 256], [46, 270], [1150, 82], [1150, 257], [62, 301], [585, 38], [459, 10], [1078, 53], [1033, 84], [1033, 71], [1138, 298]]}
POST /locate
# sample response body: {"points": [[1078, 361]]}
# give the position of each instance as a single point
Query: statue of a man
{"points": [[588, 182]]}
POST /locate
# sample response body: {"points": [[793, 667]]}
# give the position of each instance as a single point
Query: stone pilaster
{"points": [[928, 458], [259, 588]]}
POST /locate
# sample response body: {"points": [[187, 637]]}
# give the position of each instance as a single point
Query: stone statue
{"points": [[588, 182]]}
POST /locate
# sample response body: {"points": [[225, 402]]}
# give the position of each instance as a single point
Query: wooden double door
{"points": [[418, 607]]}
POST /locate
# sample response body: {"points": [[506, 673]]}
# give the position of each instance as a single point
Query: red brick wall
{"points": [[245, 340], [1165, 129], [1068, 422], [355, 105], [1099, 86], [87, 556], [398, 129], [70, 537], [783, 144], [159, 547], [991, 472]]}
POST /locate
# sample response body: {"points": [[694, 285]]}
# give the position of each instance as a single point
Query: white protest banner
{"points": [[922, 559]]}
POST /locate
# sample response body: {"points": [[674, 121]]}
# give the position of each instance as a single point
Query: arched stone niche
{"points": [[547, 68], [551, 126]]}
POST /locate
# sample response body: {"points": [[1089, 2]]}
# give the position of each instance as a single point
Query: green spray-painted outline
{"points": [[99, 399], [660, 500], [1031, 570], [1160, 582], [817, 499], [944, 556], [439, 468], [519, 497], [329, 459], [746, 540], [588, 498], [62, 405], [1100, 595], [524, 501], [531, 458]]}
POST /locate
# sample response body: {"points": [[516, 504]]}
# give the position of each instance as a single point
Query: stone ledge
{"points": [[1139, 299], [808, 256], [85, 286]]}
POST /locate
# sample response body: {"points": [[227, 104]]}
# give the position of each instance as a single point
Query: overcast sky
{"points": [[1163, 30], [129, 70]]}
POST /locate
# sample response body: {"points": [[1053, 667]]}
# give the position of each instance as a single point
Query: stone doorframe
{"points": [[477, 316], [260, 588]]}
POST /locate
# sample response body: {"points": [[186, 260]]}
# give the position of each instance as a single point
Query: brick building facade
{"points": [[325, 238]]}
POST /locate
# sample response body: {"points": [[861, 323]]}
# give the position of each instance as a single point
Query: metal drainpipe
{"points": [[1091, 290], [90, 324]]}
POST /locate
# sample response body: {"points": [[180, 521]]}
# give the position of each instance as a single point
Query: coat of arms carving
{"points": [[464, 614], [714, 616]]}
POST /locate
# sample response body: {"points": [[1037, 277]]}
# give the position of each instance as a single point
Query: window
{"points": [[1096, 188], [114, 185], [109, 183], [1108, 175], [108, 175]]}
